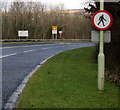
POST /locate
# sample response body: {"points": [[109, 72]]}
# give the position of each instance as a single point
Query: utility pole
{"points": [[101, 57]]}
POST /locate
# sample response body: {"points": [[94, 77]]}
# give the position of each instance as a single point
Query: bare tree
{"points": [[34, 17]]}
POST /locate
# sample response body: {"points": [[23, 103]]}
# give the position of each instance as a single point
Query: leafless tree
{"points": [[34, 17]]}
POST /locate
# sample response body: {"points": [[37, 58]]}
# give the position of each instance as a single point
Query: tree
{"points": [[34, 17]]}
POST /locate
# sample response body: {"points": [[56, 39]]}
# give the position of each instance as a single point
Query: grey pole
{"points": [[56, 36], [101, 57], [1, 63], [60, 35], [53, 36]]}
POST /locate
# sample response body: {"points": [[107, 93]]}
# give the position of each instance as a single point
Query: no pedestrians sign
{"points": [[102, 20]]}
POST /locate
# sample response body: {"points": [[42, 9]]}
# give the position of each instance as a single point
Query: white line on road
{"points": [[16, 53], [26, 46], [18, 46], [29, 51], [68, 43], [8, 55], [61, 43], [31, 45], [46, 48]]}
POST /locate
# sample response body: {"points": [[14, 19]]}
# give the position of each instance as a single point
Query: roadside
{"points": [[68, 80], [42, 41]]}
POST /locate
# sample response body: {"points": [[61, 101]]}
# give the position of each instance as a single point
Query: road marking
{"points": [[29, 51], [46, 48], [8, 55], [68, 43], [61, 43], [27, 46], [19, 46], [30, 46], [16, 53]]}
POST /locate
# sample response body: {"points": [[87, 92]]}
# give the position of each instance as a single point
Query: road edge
{"points": [[14, 97]]}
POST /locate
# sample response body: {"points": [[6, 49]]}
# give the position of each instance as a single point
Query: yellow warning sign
{"points": [[54, 27]]}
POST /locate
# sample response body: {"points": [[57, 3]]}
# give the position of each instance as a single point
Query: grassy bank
{"points": [[54, 41], [68, 80]]}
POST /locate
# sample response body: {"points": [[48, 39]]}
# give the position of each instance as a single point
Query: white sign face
{"points": [[60, 32], [102, 20], [23, 33], [54, 31]]}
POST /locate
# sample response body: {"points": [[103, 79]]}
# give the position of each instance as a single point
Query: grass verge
{"points": [[28, 42], [68, 80]]}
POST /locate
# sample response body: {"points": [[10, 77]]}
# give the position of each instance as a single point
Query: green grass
{"points": [[24, 42], [68, 80]]}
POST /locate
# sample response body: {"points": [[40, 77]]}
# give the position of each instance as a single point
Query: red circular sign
{"points": [[102, 20]]}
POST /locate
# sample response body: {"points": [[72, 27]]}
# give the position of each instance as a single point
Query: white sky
{"points": [[69, 4]]}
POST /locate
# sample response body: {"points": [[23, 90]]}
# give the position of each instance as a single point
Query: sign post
{"points": [[101, 20], [23, 33], [101, 57], [60, 32], [54, 31], [95, 36]]}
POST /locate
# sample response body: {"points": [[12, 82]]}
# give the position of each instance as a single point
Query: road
{"points": [[20, 59]]}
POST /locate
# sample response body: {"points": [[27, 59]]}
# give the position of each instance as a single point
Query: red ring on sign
{"points": [[111, 20]]}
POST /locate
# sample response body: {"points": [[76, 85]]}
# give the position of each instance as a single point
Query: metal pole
{"points": [[56, 36], [53, 36], [101, 58], [60, 35], [1, 62]]}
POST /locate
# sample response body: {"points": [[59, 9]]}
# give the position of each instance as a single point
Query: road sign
{"points": [[23, 33], [95, 36], [60, 32], [54, 29], [102, 20]]}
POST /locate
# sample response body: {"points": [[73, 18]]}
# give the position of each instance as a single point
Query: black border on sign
{"points": [[111, 20]]}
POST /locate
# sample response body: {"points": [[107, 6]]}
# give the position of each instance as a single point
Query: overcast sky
{"points": [[69, 4]]}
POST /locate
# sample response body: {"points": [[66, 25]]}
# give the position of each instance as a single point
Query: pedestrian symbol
{"points": [[101, 20]]}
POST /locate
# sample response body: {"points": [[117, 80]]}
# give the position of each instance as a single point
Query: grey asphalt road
{"points": [[20, 59]]}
